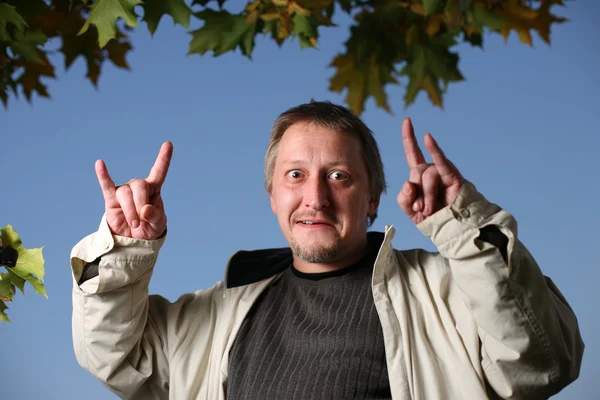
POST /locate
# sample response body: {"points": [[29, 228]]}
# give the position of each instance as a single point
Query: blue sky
{"points": [[523, 127]]}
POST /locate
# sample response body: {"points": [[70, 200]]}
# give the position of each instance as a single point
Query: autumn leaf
{"points": [[223, 32], [9, 15], [361, 80], [388, 36], [104, 16], [155, 9], [523, 19]]}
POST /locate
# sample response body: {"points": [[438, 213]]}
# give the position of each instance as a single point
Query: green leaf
{"points": [[9, 15], [306, 30], [7, 289], [26, 44], [3, 316], [223, 32], [17, 280], [431, 6], [30, 264], [488, 18], [155, 9], [430, 67], [104, 16]]}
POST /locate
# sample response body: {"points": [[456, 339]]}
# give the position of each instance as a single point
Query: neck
{"points": [[339, 263]]}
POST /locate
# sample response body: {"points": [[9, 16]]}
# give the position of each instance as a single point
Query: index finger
{"points": [[158, 173], [106, 184], [414, 156]]}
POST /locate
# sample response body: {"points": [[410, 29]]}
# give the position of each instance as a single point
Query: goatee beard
{"points": [[315, 254]]}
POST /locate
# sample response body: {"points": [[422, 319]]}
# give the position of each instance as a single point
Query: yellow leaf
{"points": [[523, 19], [433, 24], [270, 16], [285, 29]]}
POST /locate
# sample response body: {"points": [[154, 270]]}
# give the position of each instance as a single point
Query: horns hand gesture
{"points": [[431, 186], [136, 209]]}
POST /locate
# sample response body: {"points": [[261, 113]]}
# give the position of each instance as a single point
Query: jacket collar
{"points": [[250, 266]]}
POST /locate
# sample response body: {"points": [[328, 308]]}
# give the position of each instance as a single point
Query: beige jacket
{"points": [[458, 324]]}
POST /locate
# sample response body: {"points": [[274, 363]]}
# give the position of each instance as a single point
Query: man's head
{"points": [[324, 174]]}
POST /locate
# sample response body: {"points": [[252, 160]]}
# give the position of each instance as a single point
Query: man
{"points": [[340, 314]]}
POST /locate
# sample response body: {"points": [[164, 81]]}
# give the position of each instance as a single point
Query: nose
{"points": [[316, 194]]}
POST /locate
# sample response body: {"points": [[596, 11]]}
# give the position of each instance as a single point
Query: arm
{"points": [[530, 341], [119, 333]]}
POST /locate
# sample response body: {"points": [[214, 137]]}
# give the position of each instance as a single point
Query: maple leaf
{"points": [[16, 280], [155, 9], [430, 67], [7, 83], [104, 16], [223, 32], [26, 44], [32, 72], [7, 289], [30, 264], [362, 80], [9, 15], [305, 28], [523, 19], [482, 16]]}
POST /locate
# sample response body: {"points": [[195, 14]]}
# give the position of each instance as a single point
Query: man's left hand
{"points": [[431, 186]]}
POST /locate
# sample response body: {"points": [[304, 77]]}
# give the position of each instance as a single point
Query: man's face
{"points": [[320, 194]]}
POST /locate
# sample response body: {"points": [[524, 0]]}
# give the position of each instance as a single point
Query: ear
{"points": [[373, 206]]}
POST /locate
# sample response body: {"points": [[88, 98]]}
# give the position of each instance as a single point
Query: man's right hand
{"points": [[136, 209]]}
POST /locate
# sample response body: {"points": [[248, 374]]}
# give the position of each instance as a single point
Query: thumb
{"points": [[154, 216], [406, 198]]}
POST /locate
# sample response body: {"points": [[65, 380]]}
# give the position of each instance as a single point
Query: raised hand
{"points": [[136, 209], [431, 186]]}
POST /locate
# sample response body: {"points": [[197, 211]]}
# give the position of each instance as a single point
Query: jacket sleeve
{"points": [[530, 341], [121, 335]]}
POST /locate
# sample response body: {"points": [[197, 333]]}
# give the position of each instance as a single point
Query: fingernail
{"points": [[135, 223]]}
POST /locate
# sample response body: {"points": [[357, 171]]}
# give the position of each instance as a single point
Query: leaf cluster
{"points": [[29, 267], [391, 42], [32, 31]]}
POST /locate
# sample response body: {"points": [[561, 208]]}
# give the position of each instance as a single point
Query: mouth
{"points": [[313, 223]]}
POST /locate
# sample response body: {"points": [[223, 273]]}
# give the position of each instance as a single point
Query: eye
{"points": [[338, 175], [294, 174]]}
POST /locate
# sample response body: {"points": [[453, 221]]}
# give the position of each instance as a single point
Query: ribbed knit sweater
{"points": [[312, 336]]}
